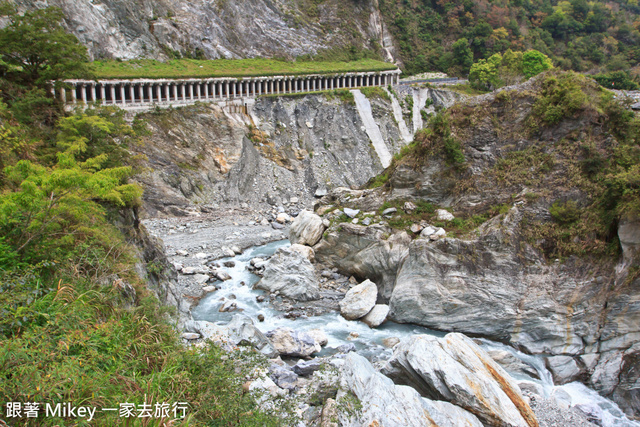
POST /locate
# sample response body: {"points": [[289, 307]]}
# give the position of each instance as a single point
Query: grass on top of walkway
{"points": [[192, 68]]}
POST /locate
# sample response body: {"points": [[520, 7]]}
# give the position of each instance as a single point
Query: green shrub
{"points": [[561, 98], [565, 213]]}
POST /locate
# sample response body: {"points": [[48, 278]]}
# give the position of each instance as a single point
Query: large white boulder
{"points": [[376, 316], [456, 370], [359, 300], [306, 229], [385, 404], [292, 343], [290, 273]]}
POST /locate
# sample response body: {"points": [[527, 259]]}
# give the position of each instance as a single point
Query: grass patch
{"points": [[375, 92], [344, 95], [194, 68], [466, 89]]}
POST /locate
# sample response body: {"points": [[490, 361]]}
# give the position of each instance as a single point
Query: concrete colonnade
{"points": [[134, 92]]}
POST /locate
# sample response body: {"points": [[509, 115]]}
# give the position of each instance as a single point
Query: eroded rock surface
{"points": [[290, 273], [456, 370], [387, 404]]}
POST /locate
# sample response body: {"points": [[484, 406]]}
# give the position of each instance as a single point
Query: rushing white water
{"points": [[368, 341], [371, 127], [397, 114], [338, 329]]}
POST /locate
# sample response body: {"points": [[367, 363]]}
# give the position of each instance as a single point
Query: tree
{"points": [[484, 73], [36, 49], [534, 62], [462, 55]]}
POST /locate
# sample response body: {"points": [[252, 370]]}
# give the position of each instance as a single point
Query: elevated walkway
{"points": [[143, 94]]}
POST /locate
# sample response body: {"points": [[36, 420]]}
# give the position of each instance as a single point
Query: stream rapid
{"points": [[368, 342]]}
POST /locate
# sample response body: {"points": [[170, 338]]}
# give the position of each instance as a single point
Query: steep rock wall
{"points": [[288, 147], [219, 29]]}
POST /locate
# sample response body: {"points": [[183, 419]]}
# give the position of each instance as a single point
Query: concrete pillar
{"points": [[233, 89], [132, 93], [183, 94], [198, 91], [174, 86], [74, 95], [190, 91], [83, 93], [63, 95], [150, 92], [277, 86], [93, 96], [141, 92], [260, 87], [103, 93]]}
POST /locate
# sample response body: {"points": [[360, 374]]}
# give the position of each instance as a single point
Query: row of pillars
{"points": [[139, 92]]}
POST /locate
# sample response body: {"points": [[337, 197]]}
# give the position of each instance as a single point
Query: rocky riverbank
{"points": [[327, 381]]}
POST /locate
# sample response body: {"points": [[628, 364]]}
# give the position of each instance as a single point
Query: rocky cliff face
{"points": [[498, 271], [219, 29], [287, 147]]}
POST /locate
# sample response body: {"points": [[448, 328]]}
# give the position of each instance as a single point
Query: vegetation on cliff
{"points": [[577, 35], [559, 143], [78, 325], [192, 68]]}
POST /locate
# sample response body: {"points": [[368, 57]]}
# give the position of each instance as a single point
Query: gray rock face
{"points": [[290, 273], [376, 316], [228, 169], [361, 251], [306, 229], [512, 364], [563, 368], [629, 235], [283, 377], [468, 285], [456, 370], [288, 342], [387, 404], [232, 29], [359, 300], [240, 331], [307, 368]]}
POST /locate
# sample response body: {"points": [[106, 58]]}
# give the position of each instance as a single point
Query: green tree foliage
{"points": [[534, 63], [620, 80], [462, 56], [561, 97], [577, 34], [36, 49], [499, 70]]}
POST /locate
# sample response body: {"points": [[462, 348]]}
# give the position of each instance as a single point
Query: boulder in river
{"points": [[457, 370], [291, 274], [387, 404], [376, 316], [293, 343], [306, 229], [307, 251], [359, 300], [240, 331]]}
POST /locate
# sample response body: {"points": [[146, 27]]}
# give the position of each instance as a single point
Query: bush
{"points": [[565, 213], [561, 97]]}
